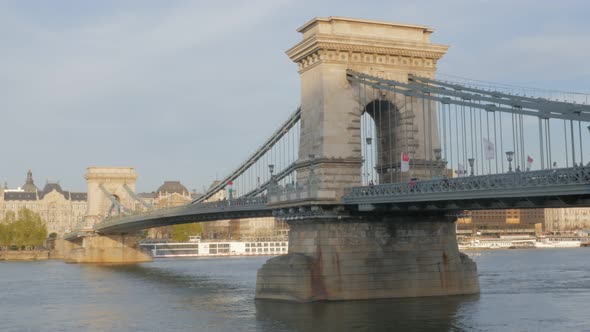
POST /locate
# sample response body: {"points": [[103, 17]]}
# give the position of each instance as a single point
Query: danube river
{"points": [[522, 290]]}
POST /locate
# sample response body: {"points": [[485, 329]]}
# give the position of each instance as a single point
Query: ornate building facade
{"points": [[59, 209], [567, 220]]}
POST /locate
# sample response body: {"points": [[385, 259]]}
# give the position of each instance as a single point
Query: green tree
{"points": [[7, 229], [25, 230], [180, 233]]}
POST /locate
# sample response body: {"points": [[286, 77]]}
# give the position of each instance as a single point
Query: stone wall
{"points": [[24, 255], [369, 258]]}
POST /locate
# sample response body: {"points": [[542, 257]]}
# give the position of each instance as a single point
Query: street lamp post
{"points": [[471, 163], [437, 157], [271, 169], [509, 155]]}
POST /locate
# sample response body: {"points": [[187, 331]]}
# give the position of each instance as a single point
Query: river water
{"points": [[522, 290]]}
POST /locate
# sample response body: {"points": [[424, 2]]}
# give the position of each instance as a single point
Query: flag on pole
{"points": [[489, 149], [405, 165], [529, 162], [230, 187]]}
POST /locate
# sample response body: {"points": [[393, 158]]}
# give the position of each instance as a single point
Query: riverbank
{"points": [[24, 255]]}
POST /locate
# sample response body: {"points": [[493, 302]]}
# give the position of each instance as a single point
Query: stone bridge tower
{"points": [[332, 106], [338, 253], [103, 181], [106, 184]]}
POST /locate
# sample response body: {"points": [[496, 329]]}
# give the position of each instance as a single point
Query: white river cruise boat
{"points": [[195, 247]]}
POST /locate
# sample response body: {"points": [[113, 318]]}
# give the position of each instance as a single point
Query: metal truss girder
{"points": [[481, 204], [278, 134], [540, 110]]}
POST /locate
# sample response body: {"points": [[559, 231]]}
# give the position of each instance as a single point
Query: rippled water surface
{"points": [[522, 290]]}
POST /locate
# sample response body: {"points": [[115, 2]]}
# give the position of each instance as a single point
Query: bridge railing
{"points": [[512, 180]]}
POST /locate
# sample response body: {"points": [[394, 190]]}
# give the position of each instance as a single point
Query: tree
{"points": [[7, 229], [25, 230], [180, 233]]}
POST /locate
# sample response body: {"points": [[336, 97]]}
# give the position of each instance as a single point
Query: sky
{"points": [[186, 90]]}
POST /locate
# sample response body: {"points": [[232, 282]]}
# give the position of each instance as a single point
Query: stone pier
{"points": [[368, 258], [107, 249]]}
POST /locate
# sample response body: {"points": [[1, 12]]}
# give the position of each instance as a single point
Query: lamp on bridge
{"points": [[271, 186], [437, 157], [509, 155], [471, 163]]}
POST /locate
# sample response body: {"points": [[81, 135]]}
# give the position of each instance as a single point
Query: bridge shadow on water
{"points": [[413, 314]]}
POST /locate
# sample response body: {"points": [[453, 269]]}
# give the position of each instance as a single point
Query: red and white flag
{"points": [[529, 162], [405, 165]]}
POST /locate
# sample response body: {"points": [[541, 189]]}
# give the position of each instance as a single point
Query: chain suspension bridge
{"points": [[381, 147]]}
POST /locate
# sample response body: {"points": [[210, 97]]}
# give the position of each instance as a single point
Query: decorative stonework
{"points": [[381, 43], [363, 57]]}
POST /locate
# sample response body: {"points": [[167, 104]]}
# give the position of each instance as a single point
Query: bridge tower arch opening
{"points": [[379, 142]]}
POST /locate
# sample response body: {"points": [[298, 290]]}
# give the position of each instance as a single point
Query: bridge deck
{"points": [[209, 211], [562, 187]]}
